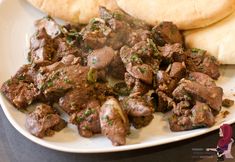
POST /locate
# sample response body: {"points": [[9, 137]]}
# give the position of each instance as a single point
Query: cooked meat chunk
{"points": [[137, 106], [138, 36], [227, 102], [43, 121], [180, 123], [140, 87], [56, 83], [167, 32], [197, 60], [20, 93], [95, 34], [114, 122], [164, 103], [182, 108], [202, 79], [210, 95], [65, 48], [101, 58], [117, 69], [87, 120], [142, 121], [143, 72], [130, 80], [202, 115], [65, 61], [76, 100], [165, 83], [42, 49], [51, 27], [172, 52], [178, 70]]}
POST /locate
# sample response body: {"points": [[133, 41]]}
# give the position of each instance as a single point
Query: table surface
{"points": [[14, 147]]}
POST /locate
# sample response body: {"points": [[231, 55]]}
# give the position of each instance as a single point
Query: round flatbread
{"points": [[218, 39], [74, 11], [186, 14]]}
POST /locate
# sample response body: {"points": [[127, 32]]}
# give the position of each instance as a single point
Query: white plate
{"points": [[16, 25]]}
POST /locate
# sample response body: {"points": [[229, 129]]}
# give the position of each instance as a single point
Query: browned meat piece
{"points": [[114, 122], [107, 15], [66, 61], [202, 115], [117, 69], [178, 70], [227, 102], [87, 120], [51, 27], [198, 60], [202, 79], [135, 85], [26, 73], [165, 83], [137, 106], [42, 49], [138, 36], [172, 52], [182, 108], [65, 49], [141, 52], [95, 34], [164, 103], [130, 80], [167, 32], [180, 123], [20, 93], [56, 83], [142, 121], [71, 60], [143, 72], [76, 99], [190, 89], [43, 121], [101, 58], [140, 87]]}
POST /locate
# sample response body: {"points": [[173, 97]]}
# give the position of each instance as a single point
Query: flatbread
{"points": [[218, 39], [186, 14], [74, 11]]}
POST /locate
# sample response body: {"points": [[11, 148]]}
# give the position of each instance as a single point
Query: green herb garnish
{"points": [[142, 70]]}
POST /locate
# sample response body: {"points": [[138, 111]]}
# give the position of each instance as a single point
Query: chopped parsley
{"points": [[66, 80], [88, 112], [49, 84], [80, 119], [152, 45], [106, 119], [135, 58], [142, 69], [94, 60], [21, 77]]}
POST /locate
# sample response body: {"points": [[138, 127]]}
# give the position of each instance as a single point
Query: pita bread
{"points": [[74, 11], [186, 14], [218, 39]]}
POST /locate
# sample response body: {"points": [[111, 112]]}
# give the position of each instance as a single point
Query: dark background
{"points": [[14, 147]]}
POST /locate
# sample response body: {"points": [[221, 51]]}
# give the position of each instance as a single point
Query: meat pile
{"points": [[112, 73]]}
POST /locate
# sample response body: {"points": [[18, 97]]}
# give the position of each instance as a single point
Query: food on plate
{"points": [[44, 121], [74, 11], [113, 73], [186, 14], [227, 102], [217, 39]]}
